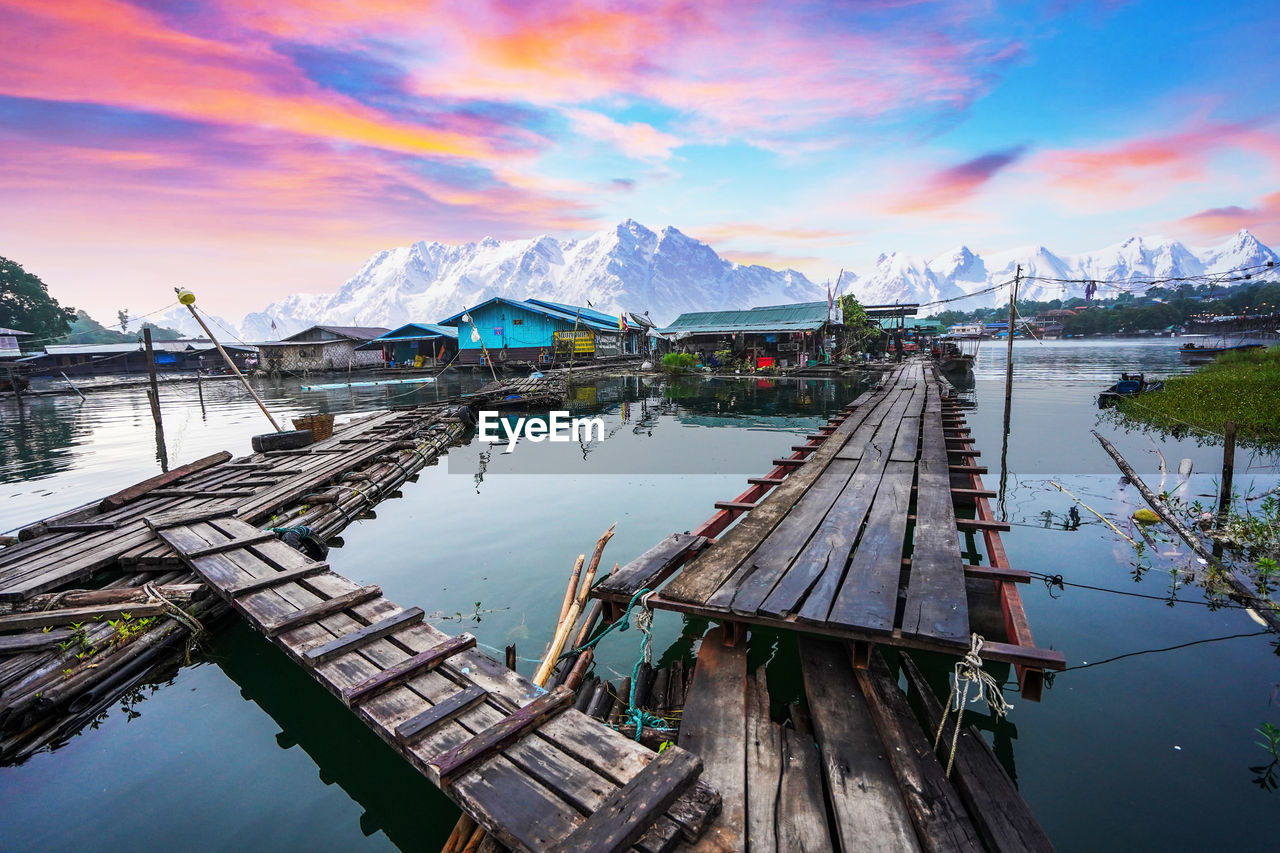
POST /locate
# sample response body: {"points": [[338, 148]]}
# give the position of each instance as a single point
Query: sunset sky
{"points": [[249, 150]]}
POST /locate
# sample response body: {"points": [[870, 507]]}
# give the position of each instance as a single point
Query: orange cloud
{"points": [[1263, 219]]}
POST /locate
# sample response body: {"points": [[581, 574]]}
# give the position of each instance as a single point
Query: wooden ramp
{"points": [[855, 536], [534, 772]]}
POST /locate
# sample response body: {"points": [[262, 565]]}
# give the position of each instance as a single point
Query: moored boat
{"points": [[1130, 385]]}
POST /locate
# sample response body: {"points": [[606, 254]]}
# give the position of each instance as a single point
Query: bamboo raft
{"points": [[856, 536]]}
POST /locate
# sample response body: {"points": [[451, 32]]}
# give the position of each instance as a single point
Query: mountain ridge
{"points": [[666, 272]]}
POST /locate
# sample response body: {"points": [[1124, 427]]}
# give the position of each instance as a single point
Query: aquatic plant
{"points": [[1266, 774], [679, 362], [1243, 387]]}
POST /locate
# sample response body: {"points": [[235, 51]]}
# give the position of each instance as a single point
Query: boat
{"points": [[1130, 385], [1196, 351], [952, 361]]}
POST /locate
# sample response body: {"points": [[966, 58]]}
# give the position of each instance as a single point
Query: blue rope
{"points": [[301, 530]]}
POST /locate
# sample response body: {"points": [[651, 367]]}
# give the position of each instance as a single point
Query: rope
{"points": [[176, 612], [969, 671], [1056, 581]]}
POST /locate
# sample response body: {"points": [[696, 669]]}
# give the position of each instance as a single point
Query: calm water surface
{"points": [[244, 752]]}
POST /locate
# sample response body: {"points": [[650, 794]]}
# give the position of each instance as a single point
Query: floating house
{"points": [[541, 333], [769, 336], [322, 348], [10, 343], [131, 357], [415, 345]]}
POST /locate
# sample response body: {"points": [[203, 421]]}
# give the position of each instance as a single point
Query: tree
{"points": [[857, 325], [25, 304], [122, 318]]}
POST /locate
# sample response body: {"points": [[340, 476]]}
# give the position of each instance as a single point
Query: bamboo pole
{"points": [[1100, 516], [230, 363], [567, 622], [1264, 608]]}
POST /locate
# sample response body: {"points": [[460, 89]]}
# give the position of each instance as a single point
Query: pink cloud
{"points": [[954, 184], [1263, 219]]}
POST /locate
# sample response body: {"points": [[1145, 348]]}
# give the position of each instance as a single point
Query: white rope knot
{"points": [[969, 673], [644, 621]]}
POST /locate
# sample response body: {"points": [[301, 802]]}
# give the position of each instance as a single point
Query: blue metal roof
{"points": [[566, 313], [574, 311], [419, 331], [801, 316]]}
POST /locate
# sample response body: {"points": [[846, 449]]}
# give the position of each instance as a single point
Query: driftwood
{"points": [[1240, 584]]}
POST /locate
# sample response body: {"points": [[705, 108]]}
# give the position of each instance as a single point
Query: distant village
{"points": [[535, 334]]}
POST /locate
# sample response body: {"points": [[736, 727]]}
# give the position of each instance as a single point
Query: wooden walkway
{"points": [[851, 768], [855, 535], [534, 772]]}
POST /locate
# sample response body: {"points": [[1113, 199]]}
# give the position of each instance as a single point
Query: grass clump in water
{"points": [[1241, 386], [679, 362]]}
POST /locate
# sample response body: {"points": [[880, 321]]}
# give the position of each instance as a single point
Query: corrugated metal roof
{"points": [[16, 333], [116, 349], [420, 331], [768, 318], [355, 333], [580, 311], [566, 313]]}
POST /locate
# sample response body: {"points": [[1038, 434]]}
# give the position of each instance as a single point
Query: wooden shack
{"points": [[415, 345], [322, 348]]}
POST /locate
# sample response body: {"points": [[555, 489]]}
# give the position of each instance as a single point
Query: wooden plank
{"points": [[1000, 814], [81, 526], [766, 481], [982, 524], [936, 602], [869, 810], [735, 506], [373, 631], [324, 608], [438, 713], [802, 807], [245, 587], [71, 615], [177, 518], [631, 809], [714, 727], [448, 765], [1027, 655], [138, 490], [764, 768], [935, 807], [868, 595], [652, 567], [408, 668], [231, 545], [203, 493]]}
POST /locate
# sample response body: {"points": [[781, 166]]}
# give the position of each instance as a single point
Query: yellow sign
{"points": [[581, 341]]}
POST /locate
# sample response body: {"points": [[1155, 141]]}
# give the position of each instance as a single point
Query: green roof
{"points": [[768, 318]]}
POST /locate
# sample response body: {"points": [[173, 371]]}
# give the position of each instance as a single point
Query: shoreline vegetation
{"points": [[1243, 387]]}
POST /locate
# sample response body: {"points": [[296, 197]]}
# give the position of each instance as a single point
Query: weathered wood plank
{"points": [[448, 765], [764, 768], [231, 545], [324, 608], [631, 809], [802, 810], [652, 567], [68, 615], [408, 668], [1000, 814], [939, 817], [869, 810], [436, 714], [177, 518], [352, 641], [714, 728], [138, 490], [237, 590]]}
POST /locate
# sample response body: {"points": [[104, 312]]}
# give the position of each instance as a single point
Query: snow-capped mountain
{"points": [[631, 268], [626, 268], [1046, 275]]}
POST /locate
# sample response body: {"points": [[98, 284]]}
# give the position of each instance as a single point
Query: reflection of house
{"points": [[539, 332], [9, 342], [130, 357], [322, 348], [415, 345], [785, 335]]}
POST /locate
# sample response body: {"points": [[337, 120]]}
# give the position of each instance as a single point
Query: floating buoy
{"points": [[1145, 516]]}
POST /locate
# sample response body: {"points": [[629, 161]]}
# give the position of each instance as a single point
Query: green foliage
{"points": [[86, 330], [25, 303], [1242, 386], [1265, 777], [679, 362], [857, 325]]}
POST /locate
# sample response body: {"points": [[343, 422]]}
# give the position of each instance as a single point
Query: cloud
{"points": [[955, 184], [635, 139], [1262, 219]]}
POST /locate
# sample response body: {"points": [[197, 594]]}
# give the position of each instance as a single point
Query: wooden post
{"points": [[200, 391], [71, 384], [1008, 393], [153, 393], [13, 386], [1228, 471]]}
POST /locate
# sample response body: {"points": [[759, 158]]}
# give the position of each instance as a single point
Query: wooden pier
{"points": [[855, 535]]}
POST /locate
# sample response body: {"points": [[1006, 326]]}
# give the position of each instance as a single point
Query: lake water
{"points": [[1151, 751]]}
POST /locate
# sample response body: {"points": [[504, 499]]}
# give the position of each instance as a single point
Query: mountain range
{"points": [[632, 268]]}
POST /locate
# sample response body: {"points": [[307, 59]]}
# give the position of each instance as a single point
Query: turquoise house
{"points": [[537, 332]]}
